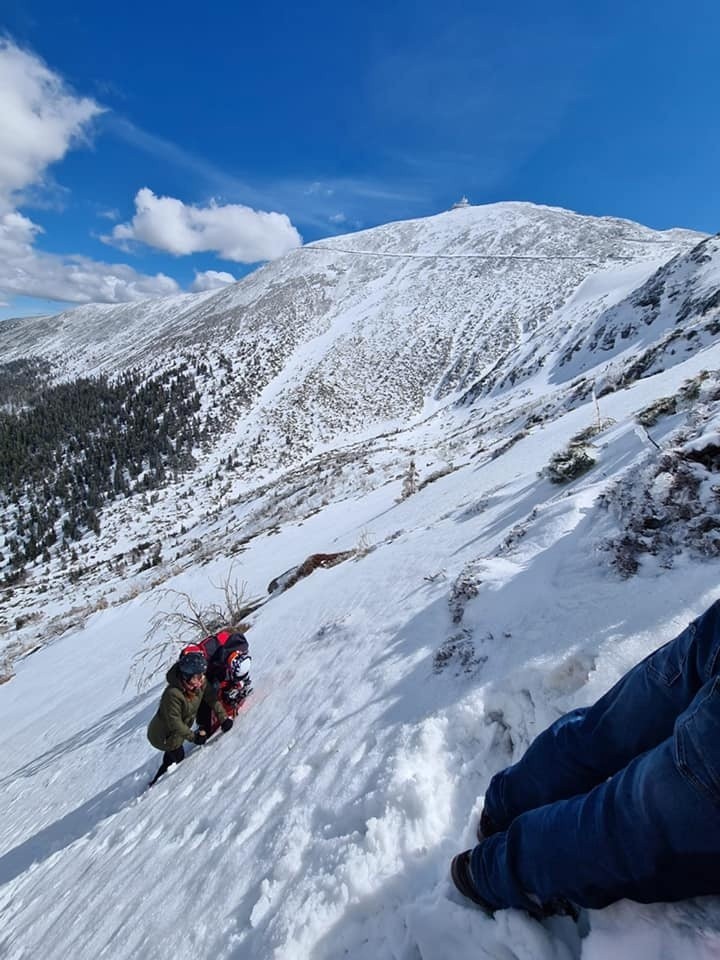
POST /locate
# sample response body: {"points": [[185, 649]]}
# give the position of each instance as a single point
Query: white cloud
{"points": [[78, 279], [29, 272], [41, 120], [337, 218], [211, 280], [233, 231], [17, 234]]}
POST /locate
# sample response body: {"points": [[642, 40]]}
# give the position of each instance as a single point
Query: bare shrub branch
{"points": [[365, 543], [185, 620]]}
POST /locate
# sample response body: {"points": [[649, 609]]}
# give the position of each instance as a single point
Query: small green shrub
{"points": [[663, 407], [570, 463]]}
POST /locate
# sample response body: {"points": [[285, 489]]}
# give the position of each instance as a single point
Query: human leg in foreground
{"points": [[609, 802]]}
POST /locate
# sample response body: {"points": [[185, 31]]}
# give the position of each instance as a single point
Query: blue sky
{"points": [[168, 132]]}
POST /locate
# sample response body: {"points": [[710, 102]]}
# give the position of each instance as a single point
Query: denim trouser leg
{"points": [[620, 799], [588, 745], [649, 833]]}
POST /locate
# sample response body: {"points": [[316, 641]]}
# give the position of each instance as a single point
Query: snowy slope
{"points": [[389, 689], [675, 312]]}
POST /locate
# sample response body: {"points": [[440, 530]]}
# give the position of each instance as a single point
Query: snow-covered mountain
{"points": [[344, 334], [495, 349]]}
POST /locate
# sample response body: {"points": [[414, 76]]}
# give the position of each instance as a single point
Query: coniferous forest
{"points": [[69, 448]]}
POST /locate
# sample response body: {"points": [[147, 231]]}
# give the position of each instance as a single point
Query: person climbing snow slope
{"points": [[171, 726]]}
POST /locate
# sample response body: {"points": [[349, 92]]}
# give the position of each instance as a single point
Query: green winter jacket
{"points": [[172, 724]]}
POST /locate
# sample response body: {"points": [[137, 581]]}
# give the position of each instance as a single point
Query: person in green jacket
{"points": [[172, 724]]}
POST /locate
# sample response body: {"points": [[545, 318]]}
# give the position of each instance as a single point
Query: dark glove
{"points": [[226, 724], [200, 737]]}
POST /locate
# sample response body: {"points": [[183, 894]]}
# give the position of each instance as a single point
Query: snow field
{"points": [[323, 824]]}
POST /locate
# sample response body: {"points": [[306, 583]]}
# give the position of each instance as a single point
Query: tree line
{"points": [[74, 447]]}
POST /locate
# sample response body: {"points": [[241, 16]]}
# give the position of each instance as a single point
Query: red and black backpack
{"points": [[216, 649]]}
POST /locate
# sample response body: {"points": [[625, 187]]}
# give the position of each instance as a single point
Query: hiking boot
{"points": [[486, 827], [461, 877], [560, 907]]}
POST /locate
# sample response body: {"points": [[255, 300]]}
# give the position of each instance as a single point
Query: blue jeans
{"points": [[620, 799]]}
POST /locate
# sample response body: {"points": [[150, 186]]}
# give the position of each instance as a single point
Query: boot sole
{"points": [[460, 874]]}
